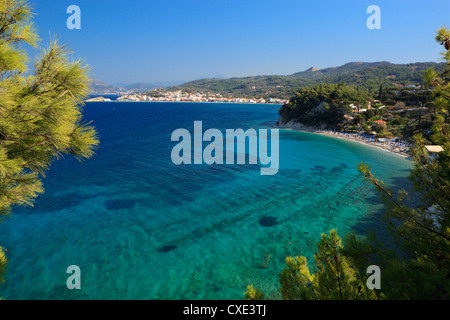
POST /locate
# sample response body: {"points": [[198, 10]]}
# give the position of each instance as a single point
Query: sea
{"points": [[140, 227]]}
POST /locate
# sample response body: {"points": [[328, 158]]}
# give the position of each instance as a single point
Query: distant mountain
{"points": [[313, 73], [312, 69], [365, 74], [145, 87], [139, 87], [214, 77], [98, 87]]}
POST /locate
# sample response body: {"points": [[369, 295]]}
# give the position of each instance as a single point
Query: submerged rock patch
{"points": [[268, 221], [166, 248], [318, 168]]}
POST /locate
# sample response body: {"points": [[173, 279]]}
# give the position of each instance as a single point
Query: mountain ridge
{"points": [[369, 75]]}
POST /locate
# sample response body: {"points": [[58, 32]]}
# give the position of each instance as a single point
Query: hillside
{"points": [[324, 105], [144, 87], [368, 75], [99, 87]]}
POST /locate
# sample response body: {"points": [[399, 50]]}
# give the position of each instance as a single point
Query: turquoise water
{"points": [[140, 227]]}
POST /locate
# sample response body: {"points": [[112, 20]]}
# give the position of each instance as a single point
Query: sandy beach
{"points": [[386, 146]]}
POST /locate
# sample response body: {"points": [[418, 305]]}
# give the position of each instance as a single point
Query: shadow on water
{"points": [[374, 222]]}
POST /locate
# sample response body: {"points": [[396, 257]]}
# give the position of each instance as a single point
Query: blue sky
{"points": [[129, 41]]}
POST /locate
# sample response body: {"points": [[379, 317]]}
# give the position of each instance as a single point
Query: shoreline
{"points": [[379, 145], [223, 102]]}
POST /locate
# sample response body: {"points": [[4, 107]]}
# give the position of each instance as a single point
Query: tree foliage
{"points": [[324, 104], [418, 267], [2, 264], [422, 231], [334, 278], [253, 294], [40, 111]]}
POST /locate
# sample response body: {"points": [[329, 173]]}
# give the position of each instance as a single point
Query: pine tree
{"points": [[422, 270], [380, 93], [335, 277], [40, 114], [2, 265], [419, 267], [253, 294]]}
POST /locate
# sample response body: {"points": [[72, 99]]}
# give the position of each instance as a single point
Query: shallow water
{"points": [[140, 227]]}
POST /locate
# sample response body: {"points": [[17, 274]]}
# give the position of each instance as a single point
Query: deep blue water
{"points": [[140, 227]]}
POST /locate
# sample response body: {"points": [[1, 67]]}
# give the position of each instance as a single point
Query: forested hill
{"points": [[365, 74]]}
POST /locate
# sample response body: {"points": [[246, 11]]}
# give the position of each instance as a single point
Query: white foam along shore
{"points": [[392, 147]]}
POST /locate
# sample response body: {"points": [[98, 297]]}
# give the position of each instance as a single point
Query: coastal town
{"points": [[179, 96]]}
